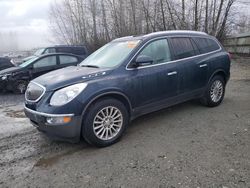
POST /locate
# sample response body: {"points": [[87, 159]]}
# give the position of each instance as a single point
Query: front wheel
{"points": [[215, 92], [105, 122]]}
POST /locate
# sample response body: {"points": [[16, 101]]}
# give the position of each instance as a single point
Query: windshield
{"points": [[110, 55], [26, 63], [39, 52]]}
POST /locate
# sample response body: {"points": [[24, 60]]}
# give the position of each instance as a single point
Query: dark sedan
{"points": [[17, 78]]}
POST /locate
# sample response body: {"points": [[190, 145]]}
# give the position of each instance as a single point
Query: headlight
{"points": [[5, 76], [67, 94]]}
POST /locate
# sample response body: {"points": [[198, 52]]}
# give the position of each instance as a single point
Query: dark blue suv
{"points": [[124, 79]]}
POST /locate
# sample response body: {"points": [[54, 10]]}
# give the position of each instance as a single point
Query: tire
{"points": [[99, 128], [215, 92], [20, 86]]}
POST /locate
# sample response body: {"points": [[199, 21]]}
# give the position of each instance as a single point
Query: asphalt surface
{"points": [[187, 145]]}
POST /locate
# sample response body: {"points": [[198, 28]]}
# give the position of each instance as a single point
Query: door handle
{"points": [[203, 65], [172, 73]]}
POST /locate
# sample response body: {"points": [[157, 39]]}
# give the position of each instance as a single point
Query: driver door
{"points": [[153, 84]]}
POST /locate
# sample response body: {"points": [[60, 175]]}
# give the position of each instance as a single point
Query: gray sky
{"points": [[27, 20]]}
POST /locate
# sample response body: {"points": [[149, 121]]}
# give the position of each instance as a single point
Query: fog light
{"points": [[58, 120]]}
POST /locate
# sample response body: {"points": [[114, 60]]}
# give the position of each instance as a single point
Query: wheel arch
{"points": [[113, 94], [220, 72]]}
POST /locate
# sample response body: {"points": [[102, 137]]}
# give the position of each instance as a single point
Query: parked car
{"points": [[125, 79], [17, 78], [77, 50], [5, 63]]}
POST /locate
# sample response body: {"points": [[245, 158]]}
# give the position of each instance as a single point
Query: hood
{"points": [[10, 70], [70, 75]]}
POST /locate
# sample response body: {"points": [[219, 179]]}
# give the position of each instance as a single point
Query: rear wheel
{"points": [[214, 94], [105, 122], [20, 86]]}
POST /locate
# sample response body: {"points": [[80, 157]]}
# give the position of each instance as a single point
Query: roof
{"points": [[162, 33]]}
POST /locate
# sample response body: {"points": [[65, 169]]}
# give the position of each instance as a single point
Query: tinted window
{"points": [[206, 45], [183, 47], [45, 62], [79, 51], [72, 50], [158, 51], [212, 45], [64, 59], [64, 50]]}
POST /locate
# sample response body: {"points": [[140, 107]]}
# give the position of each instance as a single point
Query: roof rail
{"points": [[177, 31]]}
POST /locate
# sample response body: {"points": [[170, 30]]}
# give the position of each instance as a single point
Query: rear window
{"points": [[206, 45], [183, 47]]}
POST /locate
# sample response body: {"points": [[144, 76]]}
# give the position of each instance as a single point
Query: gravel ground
{"points": [[187, 145]]}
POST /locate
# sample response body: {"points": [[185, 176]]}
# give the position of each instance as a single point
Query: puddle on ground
{"points": [[15, 113], [50, 161]]}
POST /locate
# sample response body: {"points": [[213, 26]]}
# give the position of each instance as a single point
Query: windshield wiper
{"points": [[91, 66]]}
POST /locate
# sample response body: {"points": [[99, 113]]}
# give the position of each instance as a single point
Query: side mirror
{"points": [[143, 60]]}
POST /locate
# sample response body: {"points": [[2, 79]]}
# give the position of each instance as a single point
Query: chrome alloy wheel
{"points": [[216, 91], [108, 123]]}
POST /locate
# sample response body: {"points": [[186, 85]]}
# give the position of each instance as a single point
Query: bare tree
{"points": [[94, 22]]}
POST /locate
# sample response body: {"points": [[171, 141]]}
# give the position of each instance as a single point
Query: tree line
{"points": [[96, 22]]}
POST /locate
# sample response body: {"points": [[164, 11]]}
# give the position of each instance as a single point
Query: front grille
{"points": [[34, 92]]}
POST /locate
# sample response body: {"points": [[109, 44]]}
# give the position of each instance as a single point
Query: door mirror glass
{"points": [[143, 60]]}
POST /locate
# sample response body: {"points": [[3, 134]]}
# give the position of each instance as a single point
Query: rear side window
{"points": [[158, 51], [79, 51], [64, 50], [183, 47], [65, 59], [206, 45]]}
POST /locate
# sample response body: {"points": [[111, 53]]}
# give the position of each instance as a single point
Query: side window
{"points": [[50, 50], [206, 45], [202, 45], [79, 51], [158, 51], [212, 45], [64, 50], [45, 62], [183, 47], [65, 59]]}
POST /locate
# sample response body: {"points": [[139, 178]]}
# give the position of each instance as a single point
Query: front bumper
{"points": [[67, 132]]}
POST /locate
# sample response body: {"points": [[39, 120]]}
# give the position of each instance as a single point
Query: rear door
{"points": [[44, 65], [192, 66]]}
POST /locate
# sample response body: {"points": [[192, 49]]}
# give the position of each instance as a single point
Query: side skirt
{"points": [[152, 107]]}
